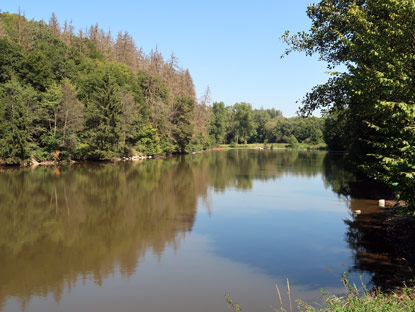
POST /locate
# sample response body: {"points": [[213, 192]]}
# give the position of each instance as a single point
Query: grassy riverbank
{"points": [[394, 231], [355, 300], [362, 300], [400, 300], [302, 146]]}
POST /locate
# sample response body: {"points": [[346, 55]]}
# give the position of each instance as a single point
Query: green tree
{"points": [[14, 125], [156, 96], [183, 129], [148, 141], [11, 57], [57, 121], [103, 130], [336, 132], [71, 114], [218, 122], [279, 129], [49, 115], [308, 130], [244, 122], [36, 70], [374, 41], [56, 53], [292, 141], [261, 117]]}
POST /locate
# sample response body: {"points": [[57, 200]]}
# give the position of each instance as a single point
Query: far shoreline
{"points": [[137, 158]]}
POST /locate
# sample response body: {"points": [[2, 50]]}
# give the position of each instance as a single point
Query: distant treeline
{"points": [[92, 95], [240, 123]]}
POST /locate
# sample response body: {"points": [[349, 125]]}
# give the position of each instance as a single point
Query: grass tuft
{"points": [[355, 300]]}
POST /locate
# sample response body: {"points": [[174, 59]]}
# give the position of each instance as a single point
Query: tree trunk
{"points": [[54, 127], [64, 126]]}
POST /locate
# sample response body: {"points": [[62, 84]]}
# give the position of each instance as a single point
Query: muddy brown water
{"points": [[177, 234]]}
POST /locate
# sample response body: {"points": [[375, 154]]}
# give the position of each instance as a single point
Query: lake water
{"points": [[176, 234]]}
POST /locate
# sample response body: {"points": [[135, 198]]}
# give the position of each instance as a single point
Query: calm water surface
{"points": [[177, 234]]}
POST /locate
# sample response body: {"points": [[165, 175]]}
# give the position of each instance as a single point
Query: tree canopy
{"points": [[90, 95], [374, 97]]}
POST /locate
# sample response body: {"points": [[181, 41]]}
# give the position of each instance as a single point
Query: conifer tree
{"points": [[183, 128], [103, 128], [54, 25], [14, 132]]}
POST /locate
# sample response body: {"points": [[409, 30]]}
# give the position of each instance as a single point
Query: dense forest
{"points": [[370, 105], [92, 95]]}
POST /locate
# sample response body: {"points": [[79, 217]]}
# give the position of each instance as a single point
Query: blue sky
{"points": [[231, 46]]}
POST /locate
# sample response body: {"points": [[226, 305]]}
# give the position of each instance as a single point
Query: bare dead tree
{"points": [[189, 85], [68, 31], [202, 114], [106, 43], [54, 25], [206, 99], [23, 35], [156, 62], [126, 51]]}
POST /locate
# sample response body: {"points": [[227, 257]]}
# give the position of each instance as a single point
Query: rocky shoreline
{"points": [[34, 163]]}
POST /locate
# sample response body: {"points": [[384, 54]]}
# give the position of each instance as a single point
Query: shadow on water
{"points": [[382, 243], [59, 225]]}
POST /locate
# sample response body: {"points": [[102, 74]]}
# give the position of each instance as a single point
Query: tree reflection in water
{"points": [[88, 220], [59, 225], [383, 244]]}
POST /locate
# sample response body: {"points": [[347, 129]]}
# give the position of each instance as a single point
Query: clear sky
{"points": [[232, 46]]}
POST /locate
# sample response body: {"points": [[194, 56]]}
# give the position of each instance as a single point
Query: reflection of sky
{"points": [[191, 278], [245, 242], [287, 228]]}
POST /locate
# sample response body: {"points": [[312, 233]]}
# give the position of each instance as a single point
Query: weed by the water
{"points": [[355, 300], [234, 306]]}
